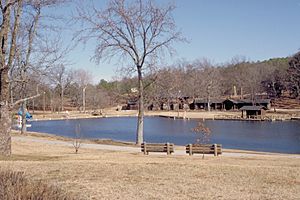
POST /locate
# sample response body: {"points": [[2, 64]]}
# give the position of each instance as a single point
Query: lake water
{"points": [[282, 137]]}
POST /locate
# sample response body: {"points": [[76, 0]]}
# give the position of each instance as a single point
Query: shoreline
{"points": [[170, 117], [132, 144], [198, 115]]}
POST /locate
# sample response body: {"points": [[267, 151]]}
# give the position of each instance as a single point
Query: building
{"points": [[253, 112], [215, 104], [231, 104]]}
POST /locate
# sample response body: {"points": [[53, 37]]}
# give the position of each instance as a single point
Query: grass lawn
{"points": [[99, 174]]}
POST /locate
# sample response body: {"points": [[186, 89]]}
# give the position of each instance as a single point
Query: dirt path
{"points": [[179, 150]]}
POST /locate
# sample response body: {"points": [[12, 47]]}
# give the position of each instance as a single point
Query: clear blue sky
{"points": [[221, 29]]}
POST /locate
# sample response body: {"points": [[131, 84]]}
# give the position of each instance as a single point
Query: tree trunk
{"points": [[5, 138], [140, 123], [44, 103], [242, 95], [33, 106], [51, 103], [83, 99], [5, 117], [208, 96], [62, 99], [23, 127]]}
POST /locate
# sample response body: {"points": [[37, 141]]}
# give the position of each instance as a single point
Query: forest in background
{"points": [[65, 89]]}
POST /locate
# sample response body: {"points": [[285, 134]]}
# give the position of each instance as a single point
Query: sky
{"points": [[219, 30]]}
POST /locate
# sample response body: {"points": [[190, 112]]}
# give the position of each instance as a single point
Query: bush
{"points": [[14, 185]]}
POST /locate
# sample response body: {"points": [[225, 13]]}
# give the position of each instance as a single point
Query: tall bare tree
{"points": [[139, 30], [62, 78], [82, 78], [13, 17], [209, 80], [11, 14]]}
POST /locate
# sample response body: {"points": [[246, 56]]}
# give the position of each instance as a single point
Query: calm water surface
{"points": [[283, 137]]}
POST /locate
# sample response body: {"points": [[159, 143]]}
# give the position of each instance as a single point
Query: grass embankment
{"points": [[99, 174]]}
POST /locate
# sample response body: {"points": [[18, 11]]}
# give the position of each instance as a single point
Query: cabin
{"points": [[230, 104], [215, 104], [253, 112], [235, 104], [131, 105]]}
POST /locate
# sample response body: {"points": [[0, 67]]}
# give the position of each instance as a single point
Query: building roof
{"points": [[249, 101], [198, 100], [253, 108]]}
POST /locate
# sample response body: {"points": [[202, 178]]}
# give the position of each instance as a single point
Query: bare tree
{"points": [[294, 79], [7, 52], [209, 80], [62, 78], [82, 78], [77, 138], [203, 133], [23, 59], [139, 30]]}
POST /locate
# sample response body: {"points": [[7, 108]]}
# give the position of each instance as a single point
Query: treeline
{"points": [[202, 79], [66, 89]]}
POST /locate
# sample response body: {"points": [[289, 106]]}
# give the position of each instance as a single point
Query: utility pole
{"points": [[44, 102], [83, 98]]}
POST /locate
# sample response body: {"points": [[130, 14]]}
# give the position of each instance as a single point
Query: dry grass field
{"points": [[99, 174]]}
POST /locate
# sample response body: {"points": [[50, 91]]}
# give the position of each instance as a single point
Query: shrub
{"points": [[14, 185]]}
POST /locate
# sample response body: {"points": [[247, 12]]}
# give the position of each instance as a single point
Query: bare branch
{"points": [[25, 99]]}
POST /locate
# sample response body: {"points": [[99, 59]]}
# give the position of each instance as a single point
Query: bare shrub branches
{"points": [[77, 139], [14, 185]]}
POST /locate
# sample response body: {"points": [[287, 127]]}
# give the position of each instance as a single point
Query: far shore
{"points": [[279, 115]]}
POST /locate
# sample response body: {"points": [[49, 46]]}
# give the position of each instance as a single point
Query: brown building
{"points": [[253, 111]]}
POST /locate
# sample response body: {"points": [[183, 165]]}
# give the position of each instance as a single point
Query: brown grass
{"points": [[14, 185], [97, 174]]}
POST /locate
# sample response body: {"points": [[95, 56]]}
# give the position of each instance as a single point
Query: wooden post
{"points": [[145, 149], [216, 149], [168, 148], [190, 150]]}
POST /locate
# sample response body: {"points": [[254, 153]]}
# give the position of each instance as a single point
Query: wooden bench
{"points": [[157, 147], [215, 149]]}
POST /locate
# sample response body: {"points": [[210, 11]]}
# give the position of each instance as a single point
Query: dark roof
{"points": [[198, 100], [248, 101], [259, 101], [233, 101], [252, 108]]}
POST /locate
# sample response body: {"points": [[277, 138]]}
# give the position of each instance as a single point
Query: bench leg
{"points": [[168, 149], [215, 150], [191, 150]]}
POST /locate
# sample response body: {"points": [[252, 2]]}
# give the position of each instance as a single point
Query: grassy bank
{"points": [[102, 174]]}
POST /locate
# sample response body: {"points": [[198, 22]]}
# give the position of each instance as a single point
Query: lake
{"points": [[281, 137]]}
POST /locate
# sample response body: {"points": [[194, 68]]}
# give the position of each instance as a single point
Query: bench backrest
{"points": [[215, 149], [157, 147]]}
